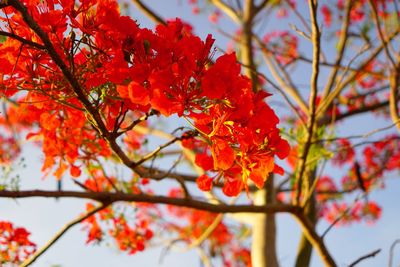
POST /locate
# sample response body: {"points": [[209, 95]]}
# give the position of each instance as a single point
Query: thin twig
{"points": [[57, 236], [312, 103], [161, 147], [366, 135], [341, 46], [369, 255], [342, 84], [288, 86], [382, 38], [341, 216], [391, 252]]}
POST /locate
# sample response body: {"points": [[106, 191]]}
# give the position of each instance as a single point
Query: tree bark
{"points": [[304, 250], [263, 249]]}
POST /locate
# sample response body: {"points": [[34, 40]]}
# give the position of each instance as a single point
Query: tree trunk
{"points": [[304, 250], [263, 248]]}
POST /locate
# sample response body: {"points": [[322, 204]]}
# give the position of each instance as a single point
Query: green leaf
{"points": [[2, 39]]}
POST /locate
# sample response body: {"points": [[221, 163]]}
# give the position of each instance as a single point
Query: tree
{"points": [[118, 108]]}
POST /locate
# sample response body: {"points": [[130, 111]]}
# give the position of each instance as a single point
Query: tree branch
{"points": [[246, 47], [94, 116], [288, 86], [315, 36], [382, 38], [369, 255], [228, 10], [149, 12], [391, 252], [341, 46], [327, 119], [111, 197], [324, 105], [22, 40], [261, 6], [394, 93], [315, 240], [43, 249]]}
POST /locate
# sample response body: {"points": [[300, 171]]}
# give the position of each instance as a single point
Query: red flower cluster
{"points": [[382, 156], [358, 13], [283, 44], [15, 245], [133, 72], [242, 146], [129, 238], [345, 152], [368, 211]]}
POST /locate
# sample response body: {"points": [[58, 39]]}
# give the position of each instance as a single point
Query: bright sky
{"points": [[44, 217]]}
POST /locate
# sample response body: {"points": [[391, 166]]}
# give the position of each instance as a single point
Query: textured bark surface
{"points": [[263, 250], [304, 250]]}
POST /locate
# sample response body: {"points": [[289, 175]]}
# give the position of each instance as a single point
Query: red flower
{"points": [[204, 182], [204, 161], [232, 187], [138, 94], [223, 154]]}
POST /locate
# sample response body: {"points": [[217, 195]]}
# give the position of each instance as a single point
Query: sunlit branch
{"points": [[299, 180], [157, 19], [340, 83], [205, 260], [394, 93], [228, 10], [385, 43], [341, 46], [206, 234], [300, 32], [294, 109], [246, 47], [395, 72], [324, 105], [288, 88], [301, 18], [58, 235]]}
